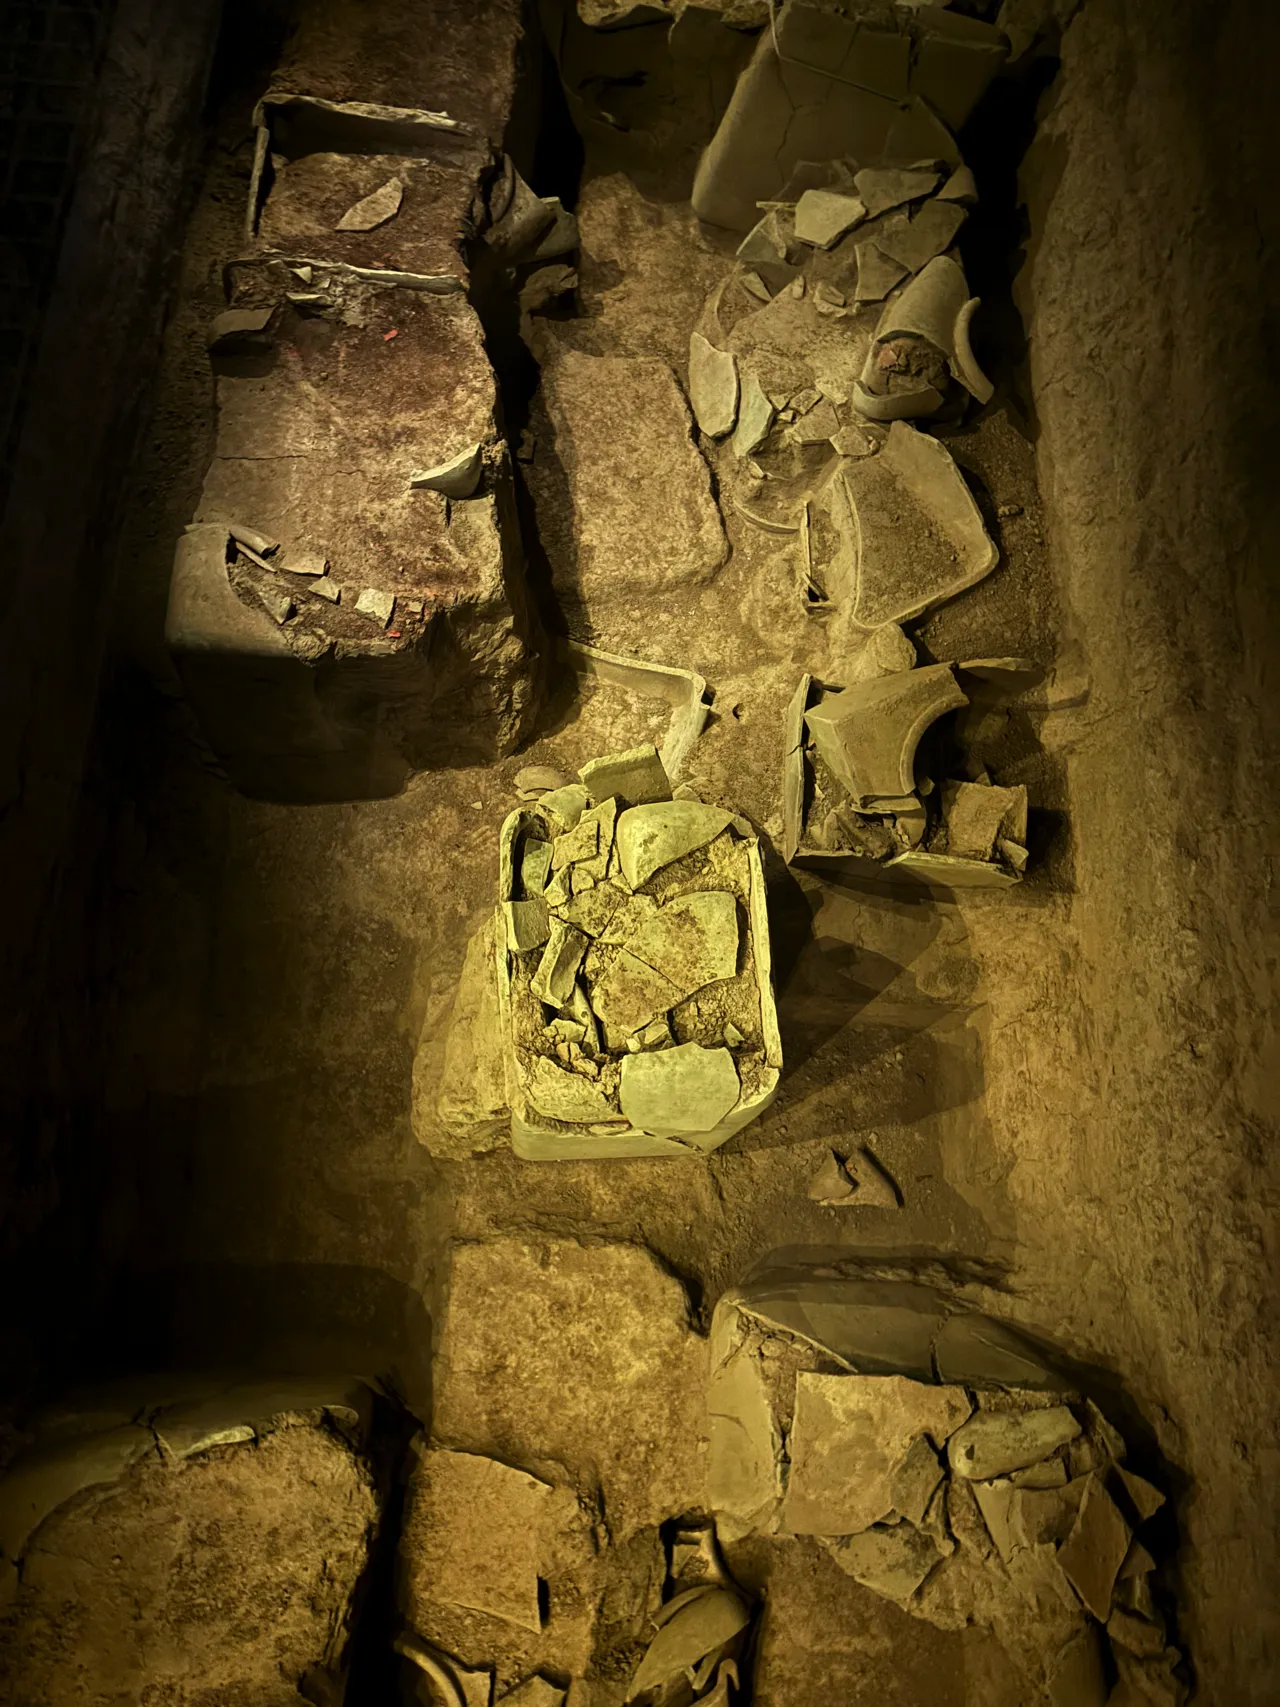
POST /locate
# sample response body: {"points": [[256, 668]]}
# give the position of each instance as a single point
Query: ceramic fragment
{"points": [[868, 733], [593, 909], [535, 866], [563, 1095], [815, 426], [651, 837], [553, 981], [830, 1184], [893, 1562], [564, 806], [975, 814], [1077, 1676], [236, 327], [327, 590], [993, 1443], [824, 216], [1096, 1548], [911, 534], [688, 1089], [873, 1186], [713, 386], [744, 1482], [634, 778], [755, 417], [1140, 1636], [935, 306], [1145, 1499], [538, 779], [535, 1692], [629, 995], [765, 242], [877, 274], [849, 1437], [930, 231], [693, 941], [755, 286], [376, 605], [457, 478], [960, 187], [884, 187], [374, 210], [702, 1626], [528, 924], [916, 1480]]}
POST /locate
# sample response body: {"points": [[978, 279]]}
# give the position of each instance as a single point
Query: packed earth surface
{"points": [[788, 1215]]}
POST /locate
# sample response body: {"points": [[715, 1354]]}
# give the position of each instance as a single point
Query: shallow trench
{"points": [[1071, 1082]]}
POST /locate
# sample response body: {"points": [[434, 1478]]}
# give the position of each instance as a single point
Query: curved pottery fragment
{"points": [[936, 305], [910, 534]]}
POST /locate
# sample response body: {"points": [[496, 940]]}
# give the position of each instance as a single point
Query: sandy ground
{"points": [[1073, 1084]]}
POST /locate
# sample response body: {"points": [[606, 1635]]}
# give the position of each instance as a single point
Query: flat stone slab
{"points": [[555, 1351], [850, 1436], [474, 1535], [687, 1089], [623, 494]]}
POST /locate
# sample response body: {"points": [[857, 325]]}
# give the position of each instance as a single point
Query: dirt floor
{"points": [[1072, 1083]]}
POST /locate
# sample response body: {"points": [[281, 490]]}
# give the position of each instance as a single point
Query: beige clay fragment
{"points": [[868, 734], [960, 187], [528, 924], [635, 777], [755, 417], [931, 230], [994, 1443], [693, 940], [893, 1562], [977, 814], [878, 273], [564, 1095], [915, 537], [456, 478], [1095, 1550], [688, 1089], [882, 187], [651, 837], [630, 995], [713, 386], [553, 981], [850, 1436], [374, 210], [766, 242], [824, 216], [703, 1625], [936, 306]]}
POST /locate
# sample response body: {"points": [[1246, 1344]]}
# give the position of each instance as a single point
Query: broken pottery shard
{"points": [[538, 779], [535, 1692], [974, 814], [628, 996], [911, 533], [593, 909], [882, 187], [868, 734], [831, 1185], [1147, 1683], [452, 1684], [915, 1481], [376, 605], [528, 924], [874, 1326], [564, 806], [1145, 1499], [815, 426], [553, 981], [936, 306], [983, 1352], [688, 1089], [1138, 1635], [755, 417], [535, 867], [635, 778], [650, 837], [892, 1562], [564, 1095], [474, 1534], [885, 652], [702, 1626], [960, 187], [327, 590], [766, 241], [1094, 1551], [932, 229], [469, 1102], [238, 326], [580, 843], [823, 217], [878, 273], [456, 478], [995, 1442], [1077, 1676], [693, 941], [374, 210], [713, 386], [850, 1435], [744, 1482]]}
